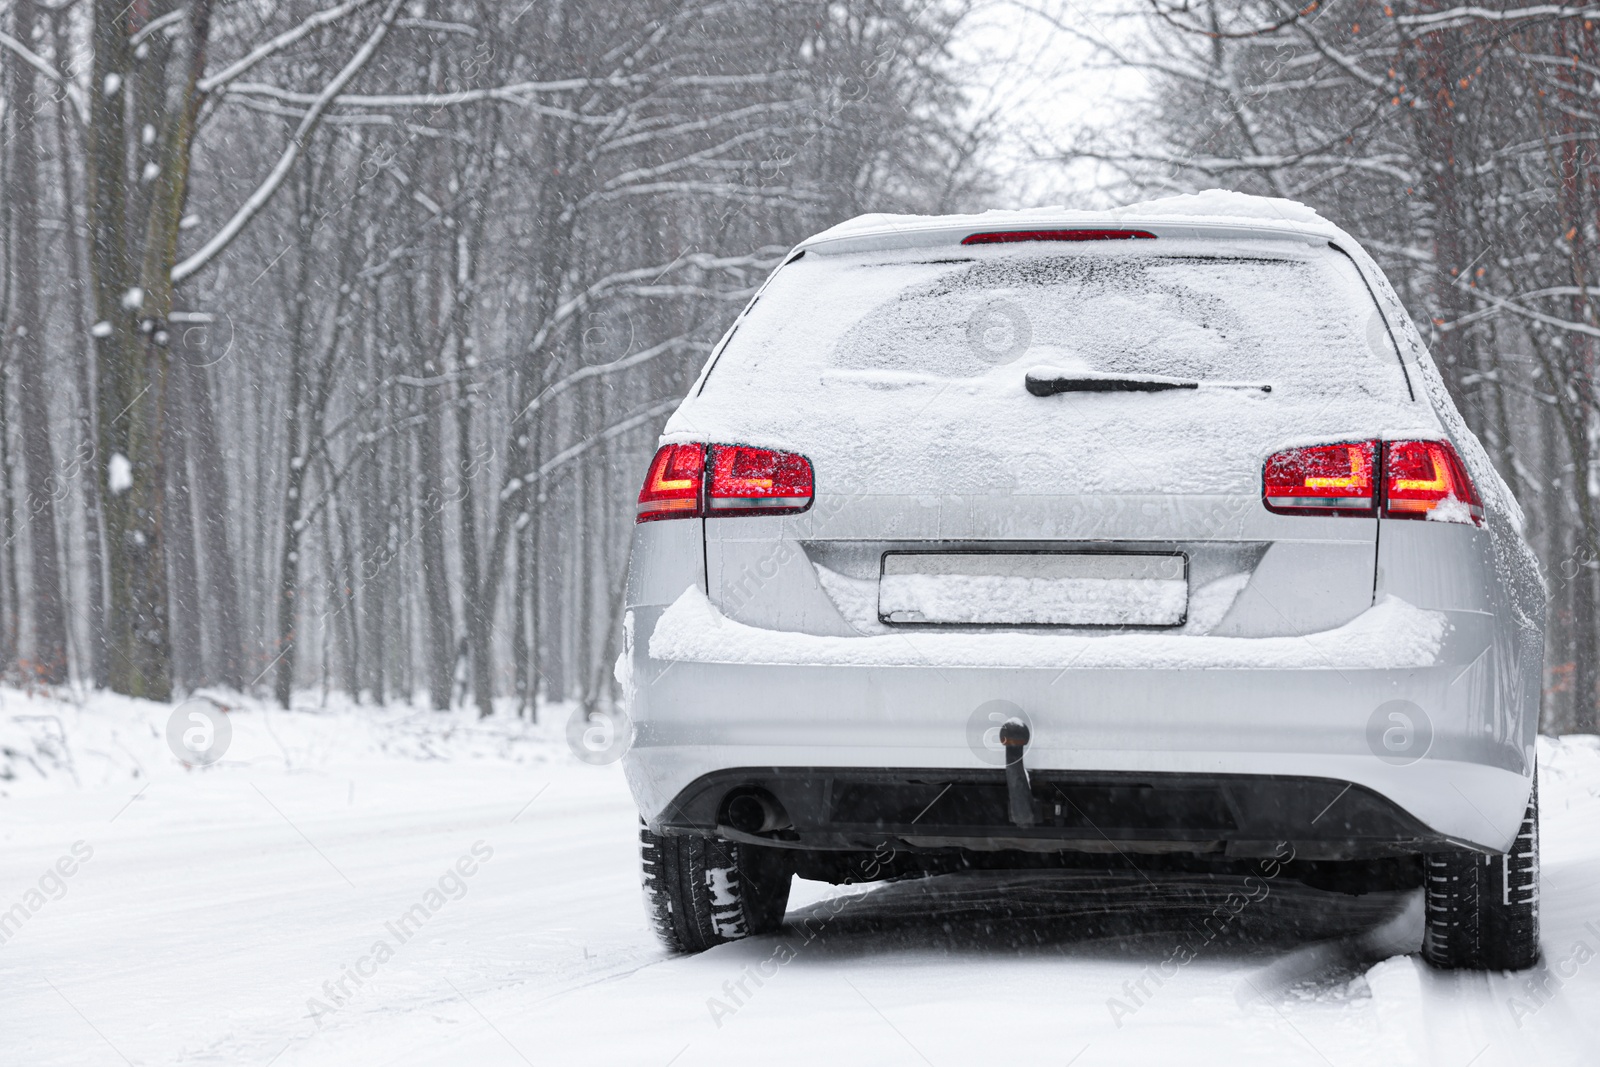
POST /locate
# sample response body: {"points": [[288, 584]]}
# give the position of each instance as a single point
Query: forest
{"points": [[336, 336]]}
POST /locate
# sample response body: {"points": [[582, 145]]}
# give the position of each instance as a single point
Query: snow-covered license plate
{"points": [[1034, 588]]}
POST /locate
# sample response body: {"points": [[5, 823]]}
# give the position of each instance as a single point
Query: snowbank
{"points": [[51, 740]]}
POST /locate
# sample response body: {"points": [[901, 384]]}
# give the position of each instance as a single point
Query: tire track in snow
{"points": [[1323, 964]]}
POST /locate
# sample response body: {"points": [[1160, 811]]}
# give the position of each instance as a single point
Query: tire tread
{"points": [[1482, 910], [682, 887]]}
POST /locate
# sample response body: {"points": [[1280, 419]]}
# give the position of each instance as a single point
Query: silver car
{"points": [[1146, 539]]}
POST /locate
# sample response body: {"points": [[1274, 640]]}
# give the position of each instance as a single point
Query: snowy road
{"points": [[236, 916]]}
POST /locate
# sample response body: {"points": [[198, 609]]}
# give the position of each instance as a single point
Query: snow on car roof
{"points": [[1215, 212]]}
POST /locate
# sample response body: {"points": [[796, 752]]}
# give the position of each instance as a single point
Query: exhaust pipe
{"points": [[1014, 735], [755, 812]]}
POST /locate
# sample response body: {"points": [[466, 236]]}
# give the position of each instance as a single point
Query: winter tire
{"points": [[1483, 911], [703, 891]]}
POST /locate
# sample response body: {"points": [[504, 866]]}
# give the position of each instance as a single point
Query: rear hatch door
{"points": [[1052, 435]]}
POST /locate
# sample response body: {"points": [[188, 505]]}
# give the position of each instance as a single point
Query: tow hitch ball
{"points": [[1014, 736]]}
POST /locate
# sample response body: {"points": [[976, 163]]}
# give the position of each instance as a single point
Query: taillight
{"points": [[1420, 480], [672, 486], [1004, 237], [1324, 479], [758, 481], [1427, 480], [694, 481]]}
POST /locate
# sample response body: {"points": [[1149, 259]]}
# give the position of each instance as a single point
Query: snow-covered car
{"points": [[1144, 538]]}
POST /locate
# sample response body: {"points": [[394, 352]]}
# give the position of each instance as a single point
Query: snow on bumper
{"points": [[712, 694], [1391, 634]]}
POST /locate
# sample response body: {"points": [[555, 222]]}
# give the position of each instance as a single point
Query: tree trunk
{"points": [[181, 556], [82, 368], [133, 298], [379, 539], [1579, 200], [519, 627], [479, 605], [294, 452], [48, 661], [222, 584], [11, 604], [440, 624], [1436, 133], [345, 609]]}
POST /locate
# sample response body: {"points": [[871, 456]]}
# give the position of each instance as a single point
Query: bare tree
{"points": [[27, 327]]}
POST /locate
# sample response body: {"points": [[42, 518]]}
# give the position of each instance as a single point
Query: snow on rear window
{"points": [[905, 371], [1273, 315]]}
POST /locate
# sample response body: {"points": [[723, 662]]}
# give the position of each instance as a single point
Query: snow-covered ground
{"points": [[397, 887]]}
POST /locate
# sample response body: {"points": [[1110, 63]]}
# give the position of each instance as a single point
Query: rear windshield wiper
{"points": [[1043, 381], [1050, 385]]}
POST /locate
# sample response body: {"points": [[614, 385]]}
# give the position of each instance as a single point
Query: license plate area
{"points": [[1040, 588]]}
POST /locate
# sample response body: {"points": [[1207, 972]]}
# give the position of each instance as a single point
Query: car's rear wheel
{"points": [[1483, 911], [703, 891]]}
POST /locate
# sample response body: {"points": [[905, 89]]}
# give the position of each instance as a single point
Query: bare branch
{"points": [[1455, 17], [513, 93], [567, 455], [599, 370], [297, 143], [149, 29], [74, 94], [278, 44], [1515, 308]]}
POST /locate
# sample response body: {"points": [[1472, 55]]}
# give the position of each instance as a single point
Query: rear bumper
{"points": [[1463, 781], [917, 809]]}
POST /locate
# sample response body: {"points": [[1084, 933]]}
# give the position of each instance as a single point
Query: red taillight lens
{"points": [[1427, 480], [1421, 480], [1004, 237], [758, 481], [691, 481], [672, 487], [1326, 479]]}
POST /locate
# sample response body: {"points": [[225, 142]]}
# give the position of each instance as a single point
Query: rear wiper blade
{"points": [[1045, 382], [1049, 384]]}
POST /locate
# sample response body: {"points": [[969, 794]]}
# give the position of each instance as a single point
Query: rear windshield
{"points": [[1267, 312], [909, 372]]}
